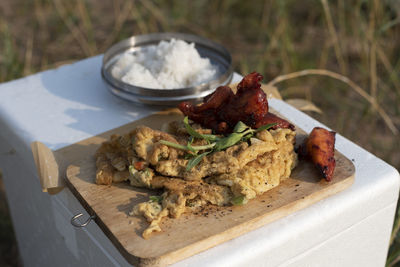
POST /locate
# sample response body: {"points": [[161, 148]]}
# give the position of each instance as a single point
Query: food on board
{"points": [[223, 109], [231, 151], [320, 148]]}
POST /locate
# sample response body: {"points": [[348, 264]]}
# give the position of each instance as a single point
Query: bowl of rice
{"points": [[166, 68]]}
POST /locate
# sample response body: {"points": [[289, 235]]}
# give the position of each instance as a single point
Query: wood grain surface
{"points": [[191, 233]]}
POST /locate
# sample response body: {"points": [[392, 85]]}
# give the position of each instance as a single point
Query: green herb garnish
{"points": [[147, 172], [194, 133], [157, 199], [228, 141], [132, 170], [189, 144], [188, 148], [265, 127], [240, 127], [241, 132], [239, 200], [196, 160]]}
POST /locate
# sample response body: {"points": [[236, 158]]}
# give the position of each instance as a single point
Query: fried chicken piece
{"points": [[320, 147], [249, 105], [178, 129], [272, 118], [206, 114], [223, 109], [216, 99]]}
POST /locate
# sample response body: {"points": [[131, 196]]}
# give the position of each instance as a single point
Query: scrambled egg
{"points": [[243, 171]]}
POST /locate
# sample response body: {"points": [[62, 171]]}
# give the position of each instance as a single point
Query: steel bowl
{"points": [[218, 55]]}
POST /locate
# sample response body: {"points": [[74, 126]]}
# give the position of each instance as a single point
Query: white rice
{"points": [[168, 65]]}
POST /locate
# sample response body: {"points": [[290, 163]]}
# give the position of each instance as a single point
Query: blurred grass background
{"points": [[359, 39]]}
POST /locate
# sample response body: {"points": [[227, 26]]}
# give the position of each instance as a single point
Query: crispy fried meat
{"points": [[206, 114], [223, 109], [320, 147], [272, 118], [249, 105]]}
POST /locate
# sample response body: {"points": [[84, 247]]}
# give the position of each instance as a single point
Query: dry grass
{"points": [[359, 39]]}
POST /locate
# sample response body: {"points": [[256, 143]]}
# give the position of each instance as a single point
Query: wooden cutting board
{"points": [[191, 233]]}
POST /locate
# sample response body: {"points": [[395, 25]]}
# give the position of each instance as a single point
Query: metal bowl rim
{"points": [[156, 37]]}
